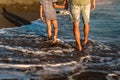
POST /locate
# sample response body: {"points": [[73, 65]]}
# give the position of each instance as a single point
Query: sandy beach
{"points": [[18, 12]]}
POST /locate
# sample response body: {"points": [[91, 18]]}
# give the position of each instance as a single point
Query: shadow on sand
{"points": [[14, 19]]}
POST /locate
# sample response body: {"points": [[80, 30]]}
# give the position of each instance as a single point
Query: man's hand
{"points": [[93, 6], [65, 4]]}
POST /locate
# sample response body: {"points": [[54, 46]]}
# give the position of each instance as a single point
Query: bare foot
{"points": [[50, 37], [54, 40], [80, 48], [85, 41]]}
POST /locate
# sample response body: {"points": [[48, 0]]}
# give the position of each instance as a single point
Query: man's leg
{"points": [[55, 25], [86, 32], [49, 28], [76, 33], [86, 16], [75, 17]]}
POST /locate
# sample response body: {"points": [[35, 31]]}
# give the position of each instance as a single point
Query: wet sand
{"points": [[18, 14]]}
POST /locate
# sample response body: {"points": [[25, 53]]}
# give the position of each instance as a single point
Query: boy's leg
{"points": [[76, 33], [49, 28], [55, 25]]}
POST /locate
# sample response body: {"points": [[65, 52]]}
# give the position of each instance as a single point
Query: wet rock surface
{"points": [[29, 57]]}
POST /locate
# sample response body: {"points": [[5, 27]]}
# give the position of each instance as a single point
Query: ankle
{"points": [[85, 41], [79, 48]]}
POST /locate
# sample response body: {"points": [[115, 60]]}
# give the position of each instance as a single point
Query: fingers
{"points": [[92, 7]]}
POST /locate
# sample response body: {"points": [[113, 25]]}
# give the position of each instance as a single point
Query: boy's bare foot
{"points": [[80, 48], [50, 37]]}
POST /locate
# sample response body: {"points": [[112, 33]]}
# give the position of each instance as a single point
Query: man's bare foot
{"points": [[85, 41]]}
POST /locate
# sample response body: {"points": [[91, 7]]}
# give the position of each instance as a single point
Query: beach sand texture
{"points": [[18, 12]]}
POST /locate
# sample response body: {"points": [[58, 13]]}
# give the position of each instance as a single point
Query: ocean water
{"points": [[22, 52]]}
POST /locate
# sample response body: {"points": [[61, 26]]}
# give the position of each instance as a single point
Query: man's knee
{"points": [[86, 24]]}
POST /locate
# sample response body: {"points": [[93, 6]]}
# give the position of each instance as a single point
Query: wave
{"points": [[101, 2]]}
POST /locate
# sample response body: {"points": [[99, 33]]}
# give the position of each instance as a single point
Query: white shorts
{"points": [[75, 12]]}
